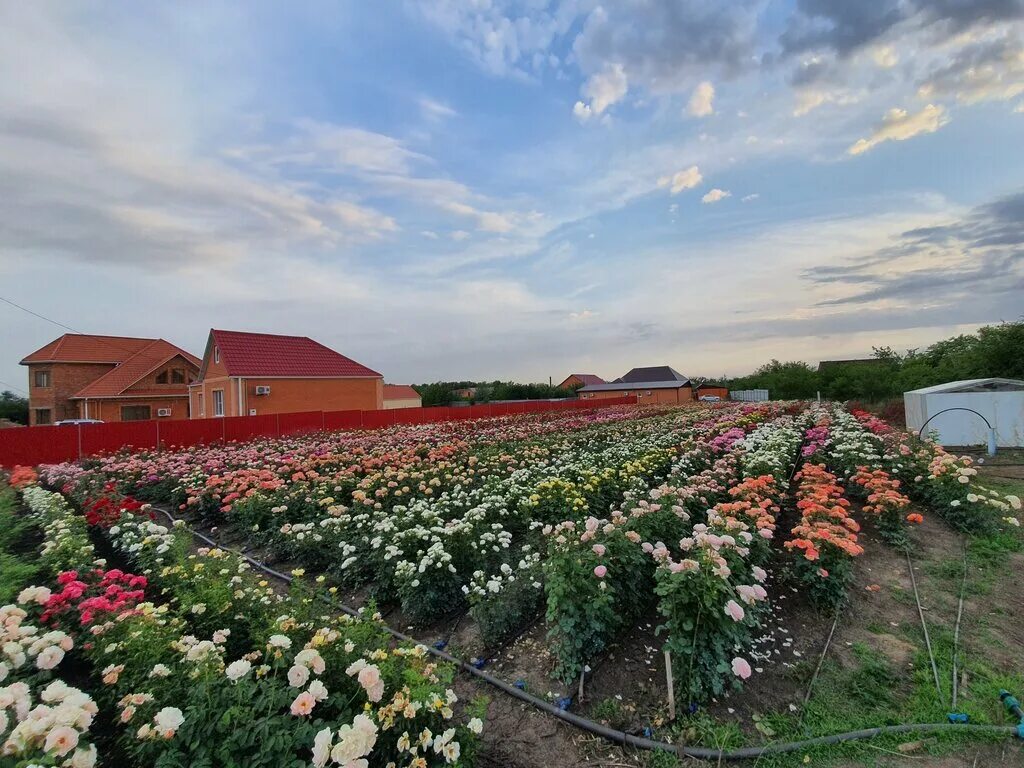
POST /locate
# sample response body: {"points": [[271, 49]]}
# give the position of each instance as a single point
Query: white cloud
{"points": [[429, 234], [603, 89], [673, 208], [715, 195], [701, 100], [1019, 109], [582, 315], [749, 198], [581, 111], [885, 57], [459, 235], [685, 179], [900, 125], [435, 110]]}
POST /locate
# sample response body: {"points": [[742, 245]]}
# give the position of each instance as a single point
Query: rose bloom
{"points": [[49, 657], [168, 720], [733, 609], [297, 676], [369, 678], [322, 747], [236, 670], [84, 758], [741, 668], [599, 550], [303, 704], [600, 571], [61, 740]]}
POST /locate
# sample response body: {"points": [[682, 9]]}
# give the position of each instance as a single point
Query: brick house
{"points": [[658, 384], [109, 378], [249, 374], [574, 380], [401, 396]]}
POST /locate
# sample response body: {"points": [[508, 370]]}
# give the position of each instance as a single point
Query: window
{"points": [[135, 412], [42, 379], [218, 402], [161, 378], [43, 416], [202, 405], [178, 376], [216, 354]]}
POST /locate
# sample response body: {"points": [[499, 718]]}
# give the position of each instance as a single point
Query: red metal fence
{"points": [[49, 445]]}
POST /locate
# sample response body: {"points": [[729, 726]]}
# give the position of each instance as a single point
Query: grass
{"points": [[870, 691], [17, 543]]}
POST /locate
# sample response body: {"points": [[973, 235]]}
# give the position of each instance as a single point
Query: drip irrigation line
{"points": [[924, 626], [611, 734]]}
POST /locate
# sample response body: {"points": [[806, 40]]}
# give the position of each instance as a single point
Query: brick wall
{"points": [[290, 395], [65, 380]]}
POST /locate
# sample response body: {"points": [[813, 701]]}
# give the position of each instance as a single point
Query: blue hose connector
{"points": [[564, 702], [441, 645], [648, 732], [958, 717], [520, 684], [1013, 707], [479, 663]]}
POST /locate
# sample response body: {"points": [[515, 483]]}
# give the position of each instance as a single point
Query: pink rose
{"points": [[733, 609], [600, 571], [741, 668], [599, 550]]}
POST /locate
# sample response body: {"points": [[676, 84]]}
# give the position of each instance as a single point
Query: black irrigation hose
{"points": [[620, 737]]}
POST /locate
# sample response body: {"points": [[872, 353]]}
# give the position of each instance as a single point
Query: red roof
{"points": [[586, 378], [87, 348], [400, 392], [155, 354], [265, 354]]}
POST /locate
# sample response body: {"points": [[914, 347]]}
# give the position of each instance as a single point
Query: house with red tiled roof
{"points": [[401, 396], [575, 380], [250, 374], [108, 378]]}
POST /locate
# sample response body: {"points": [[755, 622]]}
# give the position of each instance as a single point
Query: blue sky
{"points": [[496, 189]]}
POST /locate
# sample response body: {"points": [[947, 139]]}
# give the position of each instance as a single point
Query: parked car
{"points": [[711, 398], [65, 422]]}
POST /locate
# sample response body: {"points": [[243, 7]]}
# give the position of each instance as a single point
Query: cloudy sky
{"points": [[514, 189]]}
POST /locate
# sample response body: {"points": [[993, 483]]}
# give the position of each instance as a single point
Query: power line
{"points": [[36, 314], [19, 389]]}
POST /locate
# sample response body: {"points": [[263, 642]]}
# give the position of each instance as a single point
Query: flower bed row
{"points": [[273, 682]]}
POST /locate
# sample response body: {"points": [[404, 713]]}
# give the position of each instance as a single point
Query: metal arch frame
{"points": [[920, 432], [991, 429]]}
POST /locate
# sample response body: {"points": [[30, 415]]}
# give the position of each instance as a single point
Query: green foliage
{"points": [[993, 351], [13, 407], [444, 392], [16, 571]]}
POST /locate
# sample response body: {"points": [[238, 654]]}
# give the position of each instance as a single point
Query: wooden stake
{"points": [[583, 673], [671, 688]]}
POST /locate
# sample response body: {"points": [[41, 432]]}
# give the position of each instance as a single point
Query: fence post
{"points": [[158, 435], [323, 421], [79, 428], [277, 424]]}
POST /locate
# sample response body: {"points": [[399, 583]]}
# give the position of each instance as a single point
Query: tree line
{"points": [[448, 392], [13, 407], [994, 350]]}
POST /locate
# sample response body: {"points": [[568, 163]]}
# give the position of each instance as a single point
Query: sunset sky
{"points": [[515, 190]]}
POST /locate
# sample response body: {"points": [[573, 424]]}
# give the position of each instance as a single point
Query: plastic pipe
{"points": [[620, 737]]}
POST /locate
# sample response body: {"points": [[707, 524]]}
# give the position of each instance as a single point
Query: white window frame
{"points": [[202, 405], [216, 354], [218, 403]]}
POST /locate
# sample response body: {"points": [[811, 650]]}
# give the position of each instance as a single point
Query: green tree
{"points": [[13, 407]]}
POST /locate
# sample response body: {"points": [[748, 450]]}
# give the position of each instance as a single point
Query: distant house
{"points": [[574, 380], [652, 385], [109, 378], [401, 396], [466, 393], [249, 374]]}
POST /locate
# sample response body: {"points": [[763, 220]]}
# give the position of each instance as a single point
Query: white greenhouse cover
{"points": [[998, 401]]}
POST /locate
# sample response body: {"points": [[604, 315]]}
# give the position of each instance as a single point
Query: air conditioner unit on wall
{"points": [[163, 411], [263, 389]]}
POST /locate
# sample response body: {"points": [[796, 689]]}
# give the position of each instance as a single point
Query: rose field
{"points": [[709, 576]]}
